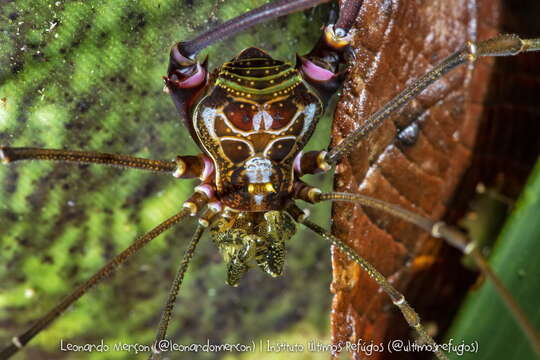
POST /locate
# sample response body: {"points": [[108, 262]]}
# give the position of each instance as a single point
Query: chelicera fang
{"points": [[251, 118]]}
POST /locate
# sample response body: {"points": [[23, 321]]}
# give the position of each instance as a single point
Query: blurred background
{"points": [[87, 75]]}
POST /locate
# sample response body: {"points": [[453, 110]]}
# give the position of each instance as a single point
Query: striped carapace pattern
{"points": [[254, 119]]}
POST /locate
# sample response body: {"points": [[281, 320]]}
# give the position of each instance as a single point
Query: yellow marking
{"points": [[272, 101], [280, 76], [423, 262], [191, 207], [241, 106], [269, 187], [321, 162], [239, 147], [261, 188], [180, 167]]}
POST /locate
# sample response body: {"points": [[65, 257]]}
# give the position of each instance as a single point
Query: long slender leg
{"points": [[412, 318], [347, 16], [173, 293], [504, 45], [11, 154], [182, 166], [106, 271], [264, 13], [439, 229]]}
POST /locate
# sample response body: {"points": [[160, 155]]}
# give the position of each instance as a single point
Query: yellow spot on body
{"points": [[269, 187], [253, 107], [239, 147], [280, 104], [228, 130], [252, 83], [267, 71], [279, 146], [248, 71], [272, 81], [241, 106]]}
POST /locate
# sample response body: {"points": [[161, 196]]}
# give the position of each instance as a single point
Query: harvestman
{"points": [[251, 117]]}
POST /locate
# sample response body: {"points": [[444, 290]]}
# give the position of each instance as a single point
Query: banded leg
{"points": [[173, 293], [438, 229], [182, 166], [504, 45], [18, 342], [412, 318]]}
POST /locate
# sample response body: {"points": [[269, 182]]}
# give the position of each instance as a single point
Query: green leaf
{"points": [[483, 319], [87, 75]]}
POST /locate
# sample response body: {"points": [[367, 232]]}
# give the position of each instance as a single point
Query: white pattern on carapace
{"points": [[258, 170], [258, 198], [264, 117], [209, 116], [309, 112]]}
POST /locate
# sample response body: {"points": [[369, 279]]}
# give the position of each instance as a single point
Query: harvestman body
{"points": [[251, 118]]}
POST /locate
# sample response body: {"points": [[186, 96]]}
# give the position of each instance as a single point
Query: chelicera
{"points": [[251, 118]]}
